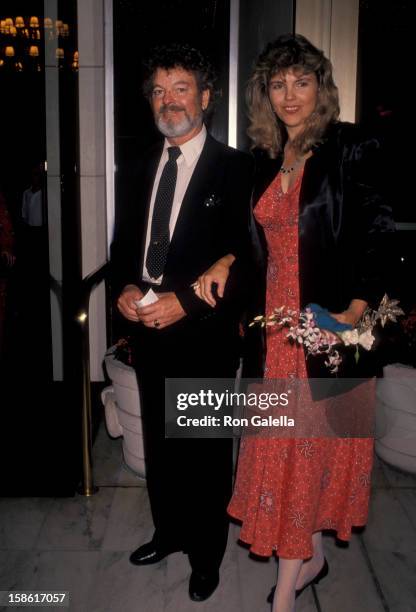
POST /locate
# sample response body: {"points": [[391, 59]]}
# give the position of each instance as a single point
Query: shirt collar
{"points": [[192, 148]]}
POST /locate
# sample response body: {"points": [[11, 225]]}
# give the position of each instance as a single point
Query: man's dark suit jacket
{"points": [[213, 221]]}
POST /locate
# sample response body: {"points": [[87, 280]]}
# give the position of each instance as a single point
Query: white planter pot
{"points": [[122, 412], [396, 417]]}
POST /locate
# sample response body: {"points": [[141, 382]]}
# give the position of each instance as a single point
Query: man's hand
{"points": [[125, 302], [166, 311]]}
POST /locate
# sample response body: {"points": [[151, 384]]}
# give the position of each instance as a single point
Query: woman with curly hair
{"points": [[319, 223]]}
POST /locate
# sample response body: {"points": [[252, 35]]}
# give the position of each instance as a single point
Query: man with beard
{"points": [[192, 208]]}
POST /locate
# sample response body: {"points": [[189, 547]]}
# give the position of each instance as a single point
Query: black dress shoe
{"points": [[150, 553], [321, 574], [202, 586]]}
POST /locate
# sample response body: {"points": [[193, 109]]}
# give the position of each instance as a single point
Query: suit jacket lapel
{"points": [[196, 191], [314, 176]]}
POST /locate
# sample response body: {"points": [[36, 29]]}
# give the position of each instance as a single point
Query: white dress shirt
{"points": [[186, 162]]}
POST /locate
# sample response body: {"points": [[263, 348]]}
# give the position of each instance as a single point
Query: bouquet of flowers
{"points": [[304, 330]]}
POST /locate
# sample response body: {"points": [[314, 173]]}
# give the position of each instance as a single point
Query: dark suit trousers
{"points": [[189, 480]]}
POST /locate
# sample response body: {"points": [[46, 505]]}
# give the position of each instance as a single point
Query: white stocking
{"points": [[312, 566], [284, 597]]}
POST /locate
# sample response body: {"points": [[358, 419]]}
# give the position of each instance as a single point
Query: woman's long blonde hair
{"points": [[295, 52]]}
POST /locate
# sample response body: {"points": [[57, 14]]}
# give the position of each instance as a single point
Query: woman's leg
{"points": [[312, 566], [284, 597]]}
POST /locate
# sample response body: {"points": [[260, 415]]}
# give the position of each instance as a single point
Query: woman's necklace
{"points": [[292, 168]]}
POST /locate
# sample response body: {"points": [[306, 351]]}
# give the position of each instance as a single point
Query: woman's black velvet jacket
{"points": [[343, 224]]}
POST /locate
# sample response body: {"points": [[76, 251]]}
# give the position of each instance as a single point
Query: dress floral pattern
{"points": [[288, 488]]}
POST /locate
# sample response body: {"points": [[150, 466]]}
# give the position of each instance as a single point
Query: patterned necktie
{"points": [[159, 236]]}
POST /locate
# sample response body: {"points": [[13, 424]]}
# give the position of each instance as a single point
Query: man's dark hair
{"points": [[183, 56]]}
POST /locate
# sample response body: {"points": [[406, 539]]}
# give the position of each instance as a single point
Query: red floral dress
{"points": [[286, 489]]}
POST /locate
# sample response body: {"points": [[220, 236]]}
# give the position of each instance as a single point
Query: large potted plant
{"points": [[122, 405]]}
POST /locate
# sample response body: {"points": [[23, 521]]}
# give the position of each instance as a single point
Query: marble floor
{"points": [[82, 545]]}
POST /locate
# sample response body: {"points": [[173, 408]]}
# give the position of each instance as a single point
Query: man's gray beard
{"points": [[179, 128]]}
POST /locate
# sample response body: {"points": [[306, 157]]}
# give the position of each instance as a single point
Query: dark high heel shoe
{"points": [[321, 574], [270, 596]]}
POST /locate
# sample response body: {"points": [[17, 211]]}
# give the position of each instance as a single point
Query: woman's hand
{"points": [[217, 273], [353, 313]]}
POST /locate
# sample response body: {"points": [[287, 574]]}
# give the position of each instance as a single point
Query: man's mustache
{"points": [[170, 107]]}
